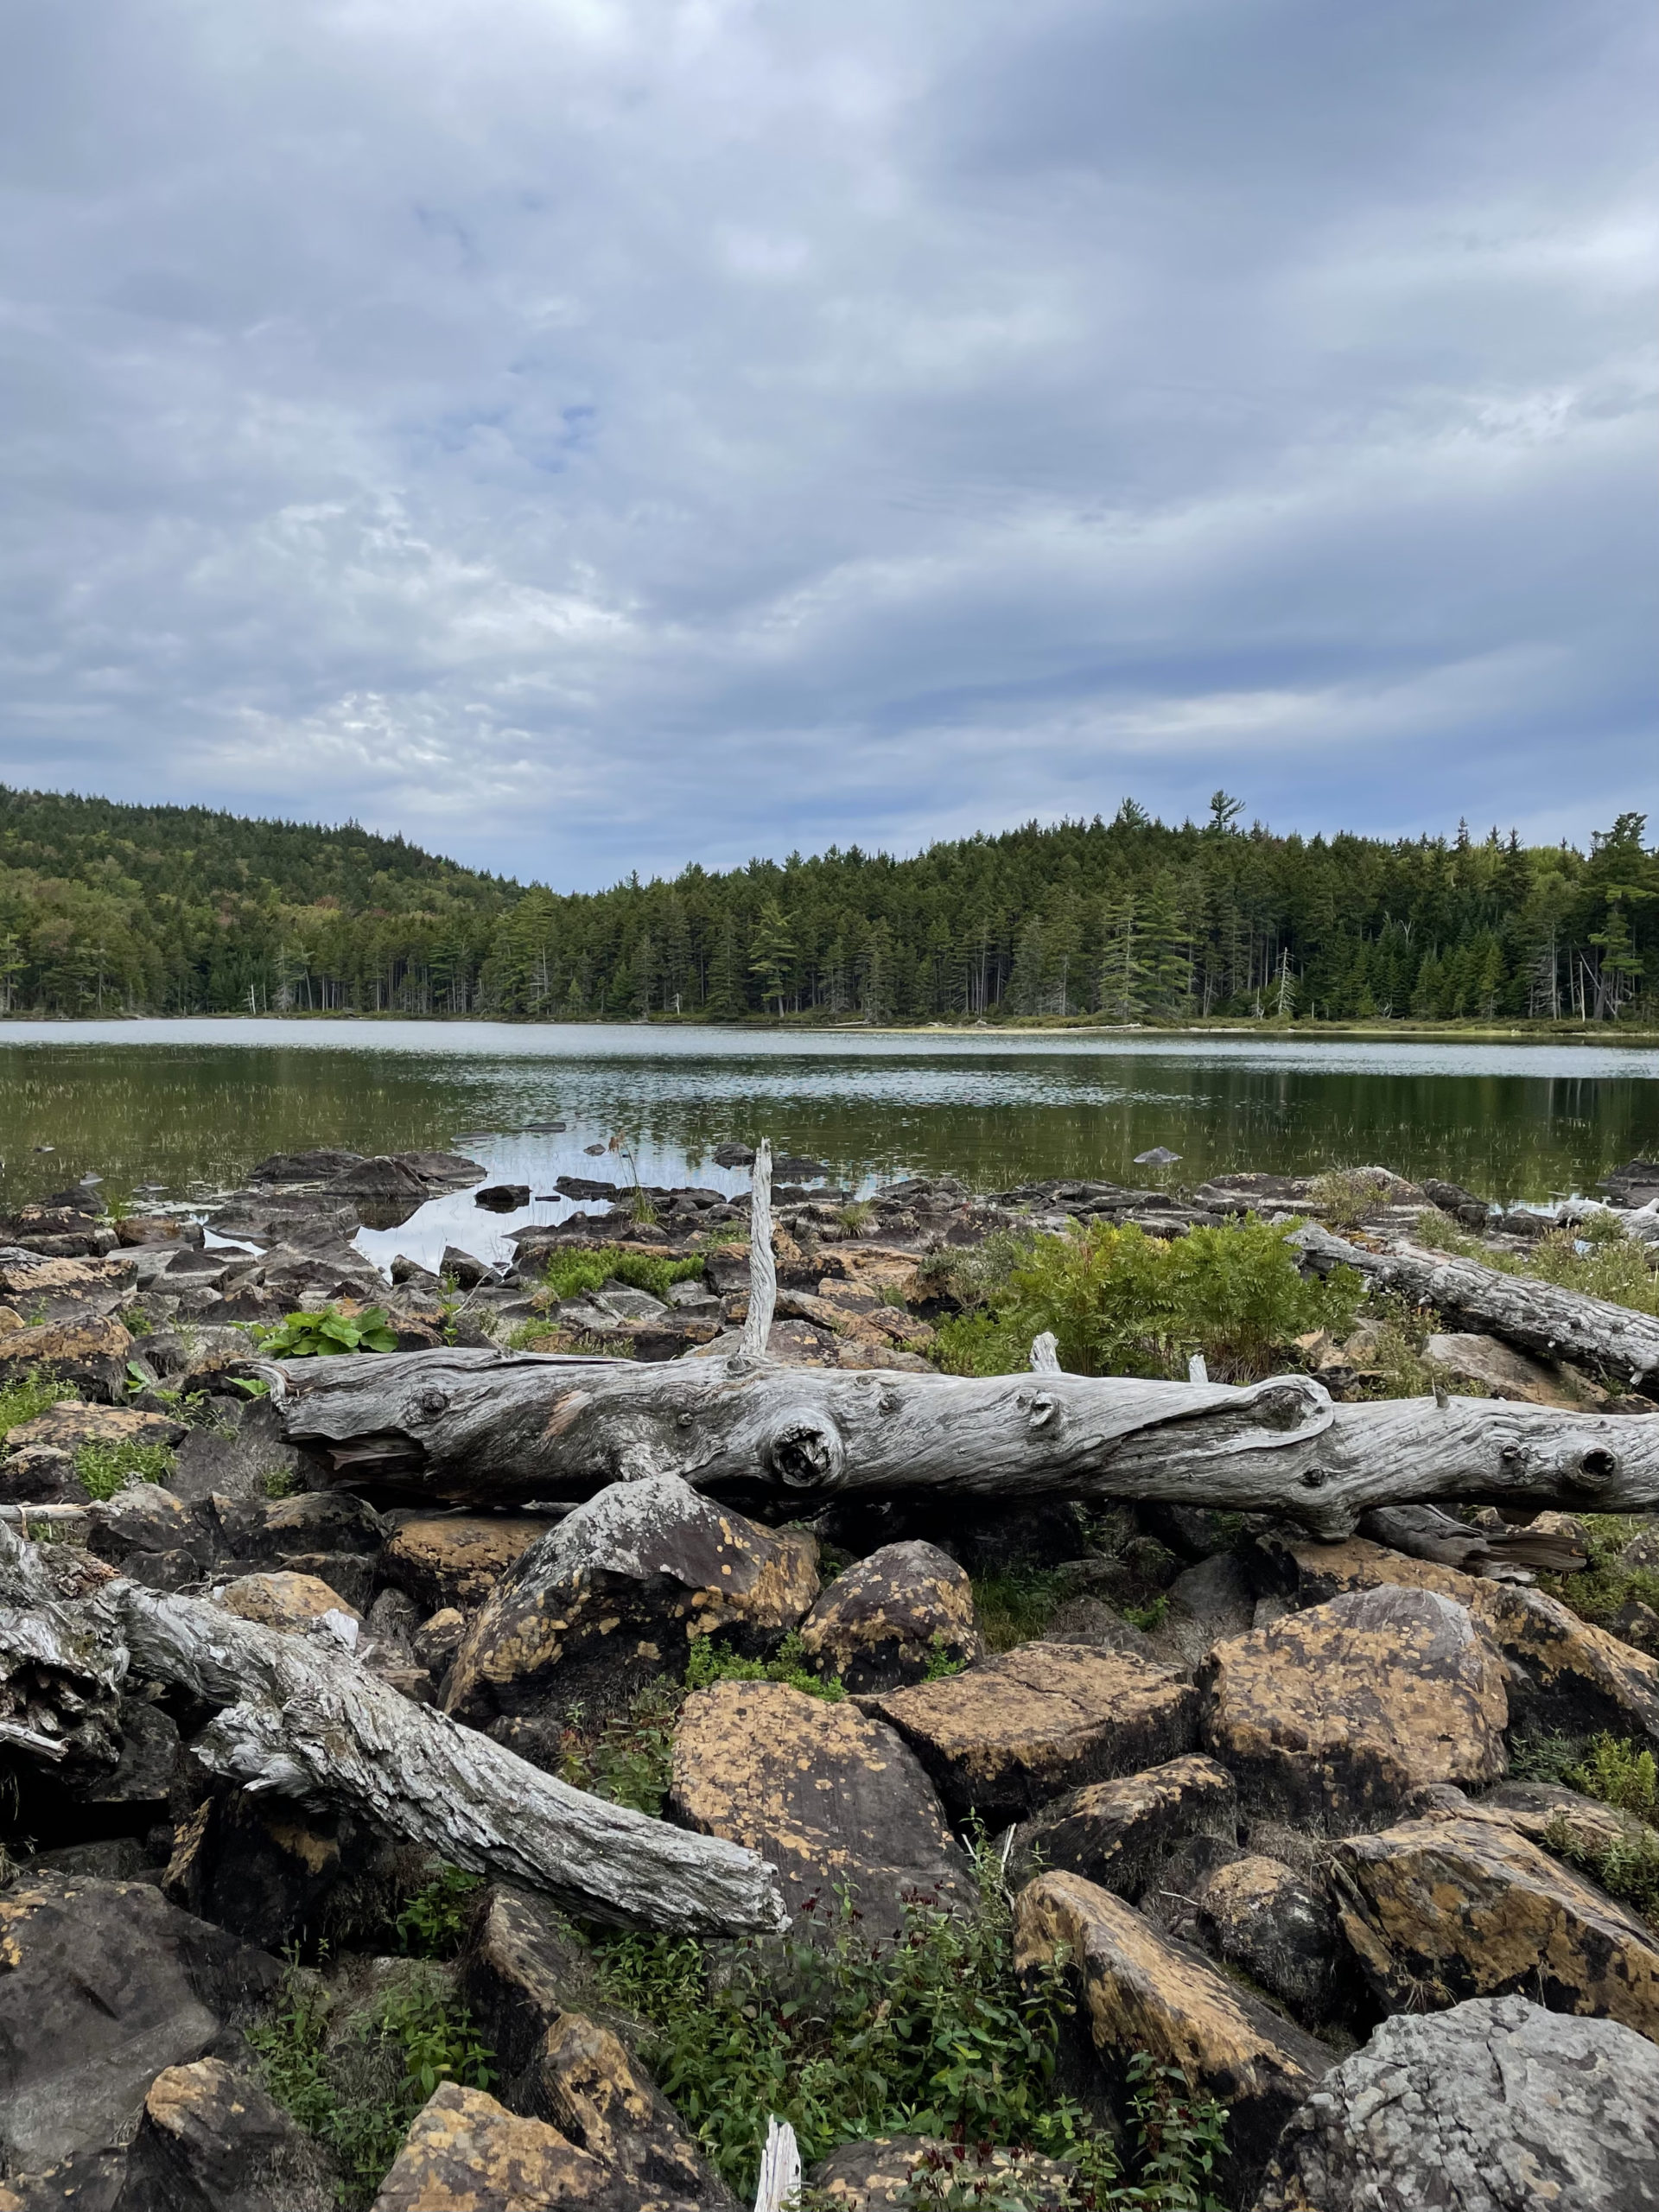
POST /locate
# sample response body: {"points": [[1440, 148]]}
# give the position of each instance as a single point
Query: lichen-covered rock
{"points": [[458, 1562], [872, 2175], [1114, 1833], [466, 2153], [617, 1594], [102, 1985], [284, 1599], [1566, 1674], [891, 1617], [1014, 1732], [823, 1793], [144, 1517], [1493, 2107], [1438, 1909], [91, 1353], [212, 2140], [1144, 1992], [582, 2080], [1258, 1914], [1340, 1714], [64, 1289], [70, 1424], [281, 1529]]}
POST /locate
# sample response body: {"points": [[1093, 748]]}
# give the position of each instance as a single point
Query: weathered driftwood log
{"points": [[1501, 1555], [477, 1426], [763, 1262], [60, 1675], [1533, 1315], [300, 1717]]}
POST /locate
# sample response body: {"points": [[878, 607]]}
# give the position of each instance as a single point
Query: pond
{"points": [[193, 1103]]}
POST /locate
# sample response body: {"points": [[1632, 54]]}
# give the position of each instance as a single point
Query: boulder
{"points": [[144, 1517], [582, 2080], [212, 2140], [243, 1466], [890, 1619], [144, 1773], [313, 1166], [877, 2173], [435, 1640], [1257, 1914], [262, 1867], [1543, 1810], [85, 2181], [1142, 1991], [821, 1792], [615, 1595], [1444, 1908], [1206, 1604], [279, 1530], [103, 1984], [69, 1424], [502, 1198], [1114, 1833], [519, 1970], [284, 1599], [1340, 1714], [92, 1354], [57, 1289], [1495, 2106], [458, 1559], [466, 2153], [1015, 1732], [381, 1177], [1565, 1673], [1497, 1371], [41, 1475]]}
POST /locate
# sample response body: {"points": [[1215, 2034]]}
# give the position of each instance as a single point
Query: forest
{"points": [[111, 909]]}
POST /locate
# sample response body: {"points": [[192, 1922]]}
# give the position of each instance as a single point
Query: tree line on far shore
{"points": [[108, 909]]}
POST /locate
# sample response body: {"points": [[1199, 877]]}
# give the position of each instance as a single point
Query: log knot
{"points": [[803, 1449]]}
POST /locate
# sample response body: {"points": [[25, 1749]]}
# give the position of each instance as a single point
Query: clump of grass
{"points": [[1622, 1775], [29, 1397], [570, 1271], [1015, 1606], [1615, 1267], [629, 1758], [106, 1468], [1344, 1197], [433, 1917], [1120, 1302], [1546, 1755], [1604, 1585], [357, 2083], [935, 2034], [856, 1216], [279, 1482]]}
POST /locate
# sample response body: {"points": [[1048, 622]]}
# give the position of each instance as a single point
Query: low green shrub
{"points": [[711, 1662], [308, 1335], [1120, 1302], [106, 1468], [357, 2083], [570, 1272], [847, 2039], [29, 1396], [434, 1918], [1604, 1585], [629, 1757], [1622, 1775], [1016, 1606]]}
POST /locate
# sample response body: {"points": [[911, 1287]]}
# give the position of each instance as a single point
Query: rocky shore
{"points": [[1185, 1811]]}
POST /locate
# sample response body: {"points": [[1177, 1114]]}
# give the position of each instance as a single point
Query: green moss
{"points": [[1015, 1607], [571, 1272]]}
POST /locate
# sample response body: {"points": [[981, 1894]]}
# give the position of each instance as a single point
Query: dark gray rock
{"points": [[238, 1467], [906, 1610], [105, 1983], [502, 1198], [1497, 2105], [316, 1167]]}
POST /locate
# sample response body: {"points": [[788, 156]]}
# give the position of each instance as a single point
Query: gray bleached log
{"points": [[476, 1427], [1499, 1555], [763, 1261], [300, 1717], [1534, 1316]]}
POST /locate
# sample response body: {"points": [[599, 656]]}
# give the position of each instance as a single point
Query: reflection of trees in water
{"points": [[171, 1113]]}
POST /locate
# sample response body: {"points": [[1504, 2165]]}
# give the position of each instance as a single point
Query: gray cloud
{"points": [[592, 433]]}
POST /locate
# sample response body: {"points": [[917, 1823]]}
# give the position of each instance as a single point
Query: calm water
{"points": [[197, 1103]]}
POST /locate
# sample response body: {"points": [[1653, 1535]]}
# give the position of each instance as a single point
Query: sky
{"points": [[592, 434]]}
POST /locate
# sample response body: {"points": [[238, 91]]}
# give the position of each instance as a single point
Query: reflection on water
{"points": [[178, 1102]]}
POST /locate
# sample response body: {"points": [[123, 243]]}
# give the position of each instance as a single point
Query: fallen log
{"points": [[1498, 1556], [504, 1428], [300, 1717], [1533, 1315]]}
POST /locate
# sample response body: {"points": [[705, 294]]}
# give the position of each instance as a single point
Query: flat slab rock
{"points": [[1569, 1674], [1144, 1991], [1340, 1714], [1437, 1910], [1495, 2106], [458, 1560], [1013, 1732], [103, 1984], [1114, 1833], [822, 1792]]}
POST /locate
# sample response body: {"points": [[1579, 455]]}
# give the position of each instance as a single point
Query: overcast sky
{"points": [[591, 434]]}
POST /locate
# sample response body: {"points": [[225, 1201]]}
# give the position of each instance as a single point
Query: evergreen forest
{"points": [[111, 909]]}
